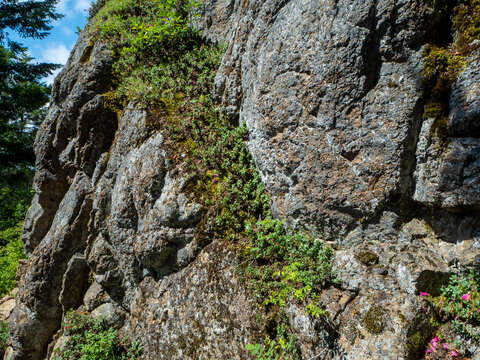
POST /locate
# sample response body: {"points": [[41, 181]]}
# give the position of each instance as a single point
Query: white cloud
{"points": [[73, 7], [57, 54], [82, 5], [49, 79]]}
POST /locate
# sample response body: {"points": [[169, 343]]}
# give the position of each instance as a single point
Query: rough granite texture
{"points": [[331, 93]]}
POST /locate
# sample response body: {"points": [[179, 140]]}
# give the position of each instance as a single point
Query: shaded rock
{"points": [[95, 296], [38, 309], [73, 283]]}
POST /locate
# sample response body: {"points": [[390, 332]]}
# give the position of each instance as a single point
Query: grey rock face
{"points": [[200, 312], [331, 94]]}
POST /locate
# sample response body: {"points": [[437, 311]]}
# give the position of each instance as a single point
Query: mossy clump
{"points": [[443, 63], [466, 22], [375, 320], [368, 258], [419, 333]]}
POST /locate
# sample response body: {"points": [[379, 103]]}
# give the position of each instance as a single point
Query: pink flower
{"points": [[428, 351], [454, 353], [436, 339], [445, 346], [466, 296], [423, 293]]}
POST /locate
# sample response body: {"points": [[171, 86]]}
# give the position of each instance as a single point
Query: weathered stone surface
{"points": [[330, 93], [7, 303], [38, 310], [200, 312], [76, 94], [74, 282]]}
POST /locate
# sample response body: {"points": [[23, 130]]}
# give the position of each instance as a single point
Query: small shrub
{"points": [[92, 339], [4, 337], [283, 346], [10, 254], [287, 266], [458, 308]]}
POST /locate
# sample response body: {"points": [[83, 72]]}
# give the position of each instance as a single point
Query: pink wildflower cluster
{"points": [[436, 344]]}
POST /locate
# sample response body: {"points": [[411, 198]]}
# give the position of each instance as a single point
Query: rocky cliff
{"points": [[333, 96]]}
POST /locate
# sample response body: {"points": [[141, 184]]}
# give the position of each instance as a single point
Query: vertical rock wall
{"points": [[331, 93]]}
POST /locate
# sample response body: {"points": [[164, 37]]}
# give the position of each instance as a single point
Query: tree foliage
{"points": [[23, 96]]}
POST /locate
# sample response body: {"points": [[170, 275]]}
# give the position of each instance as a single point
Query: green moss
{"points": [[442, 64], [433, 109], [466, 22], [416, 341], [368, 258], [374, 320], [419, 333]]}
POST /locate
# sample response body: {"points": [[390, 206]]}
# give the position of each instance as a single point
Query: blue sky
{"points": [[57, 46]]}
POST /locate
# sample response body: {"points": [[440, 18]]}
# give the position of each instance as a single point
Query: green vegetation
{"points": [[287, 266], [466, 22], [459, 304], [4, 336], [283, 346], [10, 254], [94, 339], [148, 38], [284, 267]]}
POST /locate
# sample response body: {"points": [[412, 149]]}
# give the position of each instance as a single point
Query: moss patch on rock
{"points": [[368, 258], [445, 60], [375, 320]]}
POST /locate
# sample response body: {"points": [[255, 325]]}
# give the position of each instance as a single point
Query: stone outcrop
{"points": [[331, 93]]}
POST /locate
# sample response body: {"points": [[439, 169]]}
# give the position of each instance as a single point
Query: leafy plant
{"points": [[4, 337], [93, 339], [284, 266], [10, 254], [458, 306], [282, 347]]}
